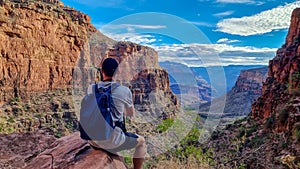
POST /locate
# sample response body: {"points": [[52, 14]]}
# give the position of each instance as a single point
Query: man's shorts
{"points": [[130, 143]]}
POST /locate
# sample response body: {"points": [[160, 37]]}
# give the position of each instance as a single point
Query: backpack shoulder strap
{"points": [[107, 88], [95, 88], [115, 85]]}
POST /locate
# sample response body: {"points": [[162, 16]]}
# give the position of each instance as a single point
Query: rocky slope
{"points": [[270, 136], [239, 99]]}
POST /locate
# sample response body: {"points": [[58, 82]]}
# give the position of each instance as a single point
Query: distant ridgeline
{"points": [[232, 73], [202, 79]]}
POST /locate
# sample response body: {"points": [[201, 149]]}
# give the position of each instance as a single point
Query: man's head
{"points": [[109, 66]]}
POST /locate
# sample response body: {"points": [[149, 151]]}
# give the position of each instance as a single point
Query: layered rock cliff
{"points": [[239, 99], [248, 87], [270, 136], [279, 100], [40, 44]]}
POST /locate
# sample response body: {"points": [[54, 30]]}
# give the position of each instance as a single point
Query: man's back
{"points": [[122, 99]]}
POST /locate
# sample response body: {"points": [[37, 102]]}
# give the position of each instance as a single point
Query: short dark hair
{"points": [[109, 66]]}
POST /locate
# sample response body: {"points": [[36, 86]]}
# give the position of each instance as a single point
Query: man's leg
{"points": [[139, 153]]}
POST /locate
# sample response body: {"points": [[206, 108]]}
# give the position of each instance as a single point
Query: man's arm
{"points": [[129, 111]]}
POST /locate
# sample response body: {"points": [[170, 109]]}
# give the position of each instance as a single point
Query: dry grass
{"points": [[174, 163]]}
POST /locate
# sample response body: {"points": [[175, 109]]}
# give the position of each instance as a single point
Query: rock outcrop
{"points": [[41, 150], [248, 87], [73, 152], [251, 80]]}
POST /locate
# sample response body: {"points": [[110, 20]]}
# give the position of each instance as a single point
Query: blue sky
{"points": [[196, 32]]}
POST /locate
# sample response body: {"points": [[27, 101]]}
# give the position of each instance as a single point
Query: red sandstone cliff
{"points": [[270, 136], [280, 96], [40, 44]]}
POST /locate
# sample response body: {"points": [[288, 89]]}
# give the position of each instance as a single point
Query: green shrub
{"points": [[215, 135], [11, 120], [270, 121], [256, 142], [298, 135], [283, 145], [128, 161], [242, 166], [283, 116], [57, 134], [251, 130], [296, 76], [16, 99], [167, 123], [241, 132]]}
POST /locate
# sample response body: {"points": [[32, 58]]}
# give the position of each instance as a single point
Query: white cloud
{"points": [[143, 39], [223, 14], [112, 27], [235, 1], [202, 54], [143, 26], [261, 23], [205, 24], [127, 32], [226, 40], [214, 54]]}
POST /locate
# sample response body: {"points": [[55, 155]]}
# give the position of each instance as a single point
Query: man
{"points": [[122, 101]]}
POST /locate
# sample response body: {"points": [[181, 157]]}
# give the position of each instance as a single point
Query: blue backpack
{"points": [[96, 121]]}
